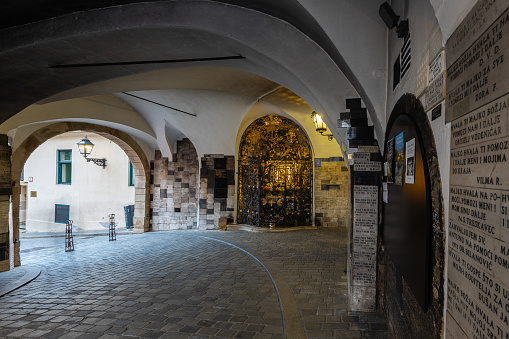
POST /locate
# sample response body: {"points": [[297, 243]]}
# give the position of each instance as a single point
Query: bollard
{"points": [[69, 243], [112, 234]]}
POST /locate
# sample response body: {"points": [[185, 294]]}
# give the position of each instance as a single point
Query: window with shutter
{"points": [[61, 213], [64, 166]]}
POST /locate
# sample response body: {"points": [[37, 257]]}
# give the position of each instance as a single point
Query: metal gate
{"points": [[275, 174]]}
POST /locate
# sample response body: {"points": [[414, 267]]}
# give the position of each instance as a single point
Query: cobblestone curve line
{"points": [[292, 320], [152, 286]]}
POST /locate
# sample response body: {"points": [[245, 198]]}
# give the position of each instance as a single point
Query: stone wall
{"points": [[217, 189], [173, 189], [332, 189], [478, 241], [5, 191]]}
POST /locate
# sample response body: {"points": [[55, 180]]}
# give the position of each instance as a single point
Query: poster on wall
{"points": [[410, 162], [390, 160], [385, 192], [400, 159]]}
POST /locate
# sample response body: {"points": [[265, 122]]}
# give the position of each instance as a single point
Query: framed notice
{"points": [[410, 162], [390, 161], [399, 154]]}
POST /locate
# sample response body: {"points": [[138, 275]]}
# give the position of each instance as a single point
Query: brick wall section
{"points": [[332, 203], [5, 192], [174, 189], [217, 189]]}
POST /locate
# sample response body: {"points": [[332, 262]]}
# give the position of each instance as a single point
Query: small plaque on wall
{"points": [[436, 112], [33, 194]]}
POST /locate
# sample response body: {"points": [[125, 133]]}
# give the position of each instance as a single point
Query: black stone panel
{"points": [[219, 163], [220, 193], [203, 204], [221, 183], [230, 174], [361, 133], [353, 103]]}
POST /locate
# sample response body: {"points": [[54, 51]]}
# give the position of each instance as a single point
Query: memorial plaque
{"points": [[372, 149], [365, 235], [435, 93], [479, 75], [423, 74], [362, 162], [476, 23], [478, 241], [436, 112], [437, 66]]}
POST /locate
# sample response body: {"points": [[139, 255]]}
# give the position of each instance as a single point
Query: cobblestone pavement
{"points": [[187, 284]]}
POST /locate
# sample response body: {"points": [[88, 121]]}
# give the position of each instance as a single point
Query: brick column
{"points": [[7, 249]]}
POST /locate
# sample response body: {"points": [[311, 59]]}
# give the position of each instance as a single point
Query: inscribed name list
{"points": [[479, 75]]}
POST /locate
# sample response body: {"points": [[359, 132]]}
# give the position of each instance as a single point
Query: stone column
{"points": [[7, 248]]}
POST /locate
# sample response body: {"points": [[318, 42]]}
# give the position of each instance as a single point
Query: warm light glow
{"points": [[320, 126], [85, 147]]}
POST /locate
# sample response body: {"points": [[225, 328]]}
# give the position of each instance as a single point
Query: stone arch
{"points": [[282, 58], [430, 318], [123, 140]]}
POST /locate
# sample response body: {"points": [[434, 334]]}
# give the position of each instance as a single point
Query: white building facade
{"points": [[59, 184]]}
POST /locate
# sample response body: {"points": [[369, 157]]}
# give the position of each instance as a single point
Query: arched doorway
{"points": [[275, 174], [141, 167]]}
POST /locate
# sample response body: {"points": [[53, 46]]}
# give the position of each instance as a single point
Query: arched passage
{"points": [[123, 140], [275, 174], [178, 30], [413, 254]]}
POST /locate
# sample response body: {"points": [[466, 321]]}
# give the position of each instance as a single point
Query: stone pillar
{"points": [[364, 233], [8, 250]]}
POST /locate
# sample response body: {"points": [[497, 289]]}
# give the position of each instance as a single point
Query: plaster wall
{"points": [[365, 31], [93, 194]]}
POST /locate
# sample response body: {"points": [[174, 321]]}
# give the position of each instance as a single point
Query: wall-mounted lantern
{"points": [[320, 126], [85, 147]]}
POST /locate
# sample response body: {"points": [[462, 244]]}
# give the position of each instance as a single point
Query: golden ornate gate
{"points": [[275, 174]]}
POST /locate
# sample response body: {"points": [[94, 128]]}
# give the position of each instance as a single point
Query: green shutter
{"points": [[64, 166]]}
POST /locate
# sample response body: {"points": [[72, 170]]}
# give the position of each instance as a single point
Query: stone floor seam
{"points": [[292, 329]]}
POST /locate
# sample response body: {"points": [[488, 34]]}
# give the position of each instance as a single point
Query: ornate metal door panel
{"points": [[249, 192], [275, 174]]}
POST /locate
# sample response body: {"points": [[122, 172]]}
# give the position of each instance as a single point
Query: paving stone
{"points": [[184, 285]]}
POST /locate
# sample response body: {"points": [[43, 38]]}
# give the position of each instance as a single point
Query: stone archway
{"points": [[275, 174], [408, 116], [133, 151]]}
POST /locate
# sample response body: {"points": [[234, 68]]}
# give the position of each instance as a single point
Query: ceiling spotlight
{"points": [[391, 20]]}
